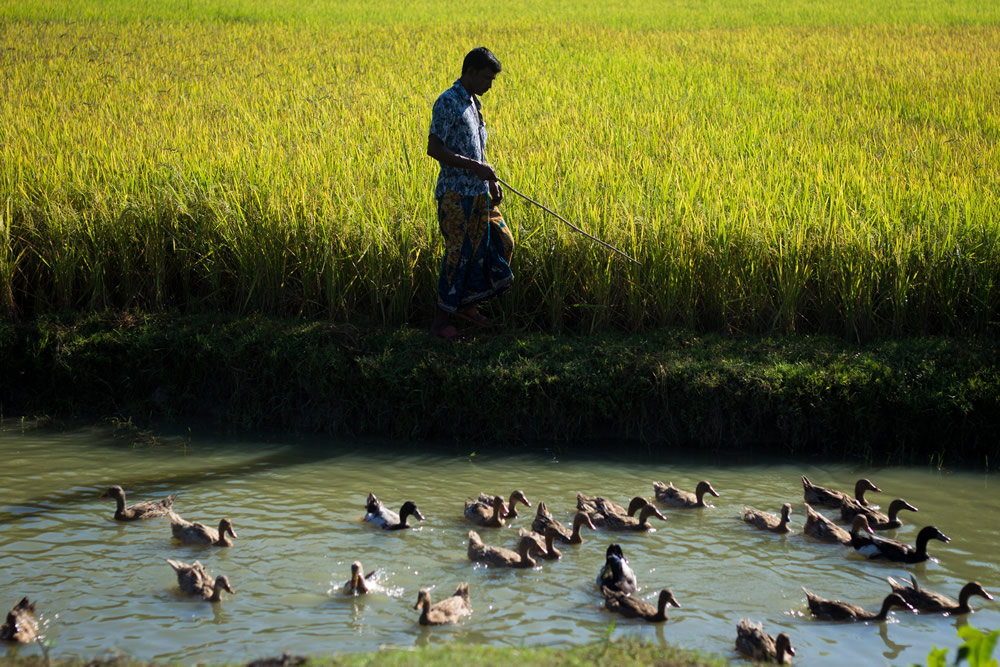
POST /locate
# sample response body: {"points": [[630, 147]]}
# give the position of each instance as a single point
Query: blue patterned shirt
{"points": [[457, 121]]}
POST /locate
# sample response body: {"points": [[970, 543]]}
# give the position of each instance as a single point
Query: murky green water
{"points": [[104, 586]]}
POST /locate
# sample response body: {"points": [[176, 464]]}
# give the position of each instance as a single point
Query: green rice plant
{"points": [[775, 169]]}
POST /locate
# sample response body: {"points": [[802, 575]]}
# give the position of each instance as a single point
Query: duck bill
{"points": [[231, 532], [420, 517]]}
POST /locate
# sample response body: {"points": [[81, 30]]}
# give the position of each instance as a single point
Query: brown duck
{"points": [[599, 509], [543, 521], [499, 556], [21, 625], [631, 607], [753, 642], [446, 611], [935, 603], [487, 515], [544, 544], [196, 580], [832, 498], [360, 583], [147, 509], [850, 508], [821, 528], [190, 532], [669, 494], [835, 610], [516, 496], [767, 520], [623, 523]]}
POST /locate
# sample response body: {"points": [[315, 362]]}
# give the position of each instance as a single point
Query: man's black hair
{"points": [[479, 58]]}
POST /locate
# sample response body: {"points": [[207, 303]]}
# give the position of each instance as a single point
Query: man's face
{"points": [[481, 80]]}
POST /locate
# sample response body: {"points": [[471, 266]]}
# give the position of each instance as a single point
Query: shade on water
{"points": [[297, 507]]}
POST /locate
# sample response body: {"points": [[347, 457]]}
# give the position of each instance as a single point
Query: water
{"points": [[104, 586]]}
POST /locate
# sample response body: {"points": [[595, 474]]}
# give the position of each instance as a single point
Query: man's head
{"points": [[479, 69]]}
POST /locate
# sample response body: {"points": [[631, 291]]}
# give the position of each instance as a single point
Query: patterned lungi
{"points": [[477, 251]]}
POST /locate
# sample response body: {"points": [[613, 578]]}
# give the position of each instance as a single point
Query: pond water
{"points": [[102, 586]]}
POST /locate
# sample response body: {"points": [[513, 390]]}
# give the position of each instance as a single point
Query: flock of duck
{"points": [[616, 581]]}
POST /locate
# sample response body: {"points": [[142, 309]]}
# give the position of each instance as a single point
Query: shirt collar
{"points": [[464, 94]]}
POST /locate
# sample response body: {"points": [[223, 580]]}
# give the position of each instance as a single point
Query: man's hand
{"points": [[496, 193], [485, 172]]}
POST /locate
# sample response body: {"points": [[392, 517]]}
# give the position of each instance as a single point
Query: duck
{"points": [[543, 521], [21, 625], [488, 515], [198, 533], [598, 509], [516, 496], [386, 519], [499, 556], [874, 547], [623, 523], [196, 580], [767, 520], [929, 601], [850, 508], [835, 610], [616, 574], [832, 498], [147, 509], [360, 583], [631, 607], [753, 642], [545, 544], [446, 611], [671, 495], [821, 528]]}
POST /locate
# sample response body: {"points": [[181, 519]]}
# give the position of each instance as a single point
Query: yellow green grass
{"points": [[805, 167]]}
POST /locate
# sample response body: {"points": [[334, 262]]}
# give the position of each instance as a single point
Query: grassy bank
{"points": [[808, 167], [612, 654], [907, 400]]}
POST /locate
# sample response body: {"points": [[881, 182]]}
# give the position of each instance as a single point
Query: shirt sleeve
{"points": [[442, 119]]}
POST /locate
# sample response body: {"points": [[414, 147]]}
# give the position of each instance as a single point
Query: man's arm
{"points": [[437, 150]]}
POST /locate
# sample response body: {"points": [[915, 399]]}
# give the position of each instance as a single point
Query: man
{"points": [[478, 244]]}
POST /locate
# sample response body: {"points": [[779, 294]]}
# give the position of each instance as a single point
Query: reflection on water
{"points": [[105, 586]]}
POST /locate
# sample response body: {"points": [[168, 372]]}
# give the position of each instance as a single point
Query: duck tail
{"points": [[463, 591], [805, 482]]}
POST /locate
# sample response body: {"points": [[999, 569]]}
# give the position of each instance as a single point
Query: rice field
{"points": [[776, 168]]}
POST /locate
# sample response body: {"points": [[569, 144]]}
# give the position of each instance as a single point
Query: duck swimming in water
{"points": [[935, 603], [835, 610], [753, 642], [616, 574], [21, 625], [874, 547], [501, 557], [543, 521], [488, 515], [631, 607], [821, 496], [377, 513], [669, 494], [601, 510], [196, 580], [821, 528], [198, 533], [768, 521], [147, 509], [361, 583], [850, 508], [516, 496], [449, 610]]}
